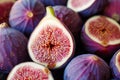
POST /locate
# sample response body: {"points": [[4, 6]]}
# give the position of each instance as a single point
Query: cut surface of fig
{"points": [[80, 5], [103, 30], [30, 71], [51, 44]]}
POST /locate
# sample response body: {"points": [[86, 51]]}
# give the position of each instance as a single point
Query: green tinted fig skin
{"points": [[83, 68], [112, 10], [114, 68], [19, 19], [13, 49]]}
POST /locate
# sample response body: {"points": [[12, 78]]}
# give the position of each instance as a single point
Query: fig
{"points": [[115, 65], [53, 2], [87, 67], [13, 48], [87, 8], [113, 10], [100, 35], [4, 11], [51, 43], [70, 18], [30, 71], [25, 15]]}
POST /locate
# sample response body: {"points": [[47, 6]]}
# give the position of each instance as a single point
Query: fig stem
{"points": [[3, 25], [50, 11]]}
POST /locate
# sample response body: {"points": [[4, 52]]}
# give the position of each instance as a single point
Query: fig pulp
{"points": [[51, 43], [30, 71], [87, 67], [113, 10], [115, 65], [13, 48], [100, 35], [25, 15], [86, 7]]}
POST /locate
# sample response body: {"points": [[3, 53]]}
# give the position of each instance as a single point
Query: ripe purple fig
{"points": [[13, 48], [113, 10], [86, 7], [51, 43], [70, 18], [25, 15], [87, 67], [30, 71], [100, 35], [115, 65]]}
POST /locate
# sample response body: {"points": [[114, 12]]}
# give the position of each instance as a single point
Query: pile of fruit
{"points": [[59, 39]]}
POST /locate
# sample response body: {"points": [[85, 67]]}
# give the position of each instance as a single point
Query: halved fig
{"points": [[51, 43], [101, 35], [86, 7], [30, 71], [115, 65]]}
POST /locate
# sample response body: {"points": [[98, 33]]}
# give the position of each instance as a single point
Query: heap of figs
{"points": [[59, 39]]}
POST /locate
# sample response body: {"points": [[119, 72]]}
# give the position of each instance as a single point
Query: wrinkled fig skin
{"points": [[13, 49], [113, 66], [25, 15], [113, 10], [87, 67], [70, 18], [106, 52], [53, 2]]}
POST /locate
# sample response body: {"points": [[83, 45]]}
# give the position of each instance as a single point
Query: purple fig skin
{"points": [[70, 18], [106, 52], [95, 8], [113, 65], [53, 2], [25, 15], [113, 10], [13, 48], [87, 67]]}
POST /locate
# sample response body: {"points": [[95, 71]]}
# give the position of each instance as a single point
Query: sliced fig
{"points": [[115, 65], [113, 10], [51, 43], [87, 67], [30, 71], [86, 7], [100, 35]]}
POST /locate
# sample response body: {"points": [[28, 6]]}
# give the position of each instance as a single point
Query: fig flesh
{"points": [[51, 43], [100, 35], [87, 67], [30, 71], [86, 8]]}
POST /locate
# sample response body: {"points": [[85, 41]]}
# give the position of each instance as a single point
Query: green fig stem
{"points": [[3, 25], [50, 11]]}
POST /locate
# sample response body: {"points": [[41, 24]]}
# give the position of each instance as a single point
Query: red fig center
{"points": [[103, 30]]}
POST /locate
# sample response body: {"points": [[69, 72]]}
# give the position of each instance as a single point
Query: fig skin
{"points": [[30, 71], [4, 11], [113, 10], [87, 67], [114, 65], [95, 8], [51, 44], [53, 2], [25, 15], [13, 48], [70, 18], [106, 52]]}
